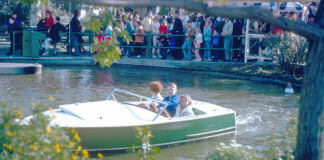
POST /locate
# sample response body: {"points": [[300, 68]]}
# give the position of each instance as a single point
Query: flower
{"points": [[85, 154], [71, 144], [34, 147], [72, 130], [76, 136], [79, 148], [74, 157], [9, 133], [7, 146], [50, 98], [58, 148], [19, 114], [6, 125], [100, 155], [48, 129]]}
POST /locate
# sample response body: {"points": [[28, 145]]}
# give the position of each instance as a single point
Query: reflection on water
{"points": [[262, 109]]}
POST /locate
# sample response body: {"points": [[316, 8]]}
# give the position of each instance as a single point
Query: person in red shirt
{"points": [[49, 21], [163, 28]]}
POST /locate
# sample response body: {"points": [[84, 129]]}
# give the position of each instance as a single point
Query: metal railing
{"points": [[148, 46], [64, 40]]}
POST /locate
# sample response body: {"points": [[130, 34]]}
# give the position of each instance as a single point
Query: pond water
{"points": [[262, 109]]}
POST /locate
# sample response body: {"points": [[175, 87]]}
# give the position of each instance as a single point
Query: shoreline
{"points": [[264, 72]]}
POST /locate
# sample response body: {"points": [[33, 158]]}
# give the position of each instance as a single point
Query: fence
{"points": [[253, 49]]}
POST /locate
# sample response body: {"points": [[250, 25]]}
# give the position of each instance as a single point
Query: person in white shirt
{"points": [[227, 33], [197, 42], [155, 30], [184, 109], [147, 25]]}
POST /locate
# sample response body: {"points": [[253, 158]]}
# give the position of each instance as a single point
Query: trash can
{"points": [[31, 43]]}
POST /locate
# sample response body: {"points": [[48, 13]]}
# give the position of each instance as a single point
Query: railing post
{"points": [[13, 43], [149, 46], [247, 44]]}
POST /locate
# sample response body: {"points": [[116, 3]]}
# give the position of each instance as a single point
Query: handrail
{"points": [[111, 94]]}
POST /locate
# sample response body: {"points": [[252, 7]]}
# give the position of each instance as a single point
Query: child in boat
{"points": [[184, 109], [156, 88], [172, 99]]}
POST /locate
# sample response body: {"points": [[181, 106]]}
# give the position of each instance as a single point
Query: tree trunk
{"points": [[311, 116], [310, 137]]}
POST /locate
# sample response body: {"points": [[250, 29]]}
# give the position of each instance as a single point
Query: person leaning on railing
{"points": [[164, 40], [14, 29], [139, 41], [187, 45], [227, 33], [54, 36]]}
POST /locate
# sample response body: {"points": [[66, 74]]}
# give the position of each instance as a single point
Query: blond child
{"points": [[184, 108], [198, 41]]}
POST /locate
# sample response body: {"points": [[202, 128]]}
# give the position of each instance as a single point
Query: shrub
{"points": [[290, 51], [37, 140]]}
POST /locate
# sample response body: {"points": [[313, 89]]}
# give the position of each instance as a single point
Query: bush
{"points": [[290, 51], [37, 140]]}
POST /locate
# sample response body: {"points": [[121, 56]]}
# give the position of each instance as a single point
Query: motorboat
{"points": [[110, 125]]}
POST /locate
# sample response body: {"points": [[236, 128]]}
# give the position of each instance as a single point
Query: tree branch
{"points": [[254, 12]]}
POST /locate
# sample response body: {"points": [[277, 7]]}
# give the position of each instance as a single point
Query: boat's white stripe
{"points": [[166, 144], [209, 132]]}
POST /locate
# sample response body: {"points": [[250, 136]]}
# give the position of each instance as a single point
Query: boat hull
{"points": [[168, 133]]}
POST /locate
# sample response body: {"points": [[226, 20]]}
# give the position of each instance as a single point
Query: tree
{"points": [[310, 139]]}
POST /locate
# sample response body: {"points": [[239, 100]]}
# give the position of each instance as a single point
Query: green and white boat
{"points": [[110, 125]]}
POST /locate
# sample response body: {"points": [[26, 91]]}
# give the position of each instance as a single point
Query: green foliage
{"points": [[35, 139], [290, 51], [146, 151], [281, 148], [108, 50], [29, 2]]}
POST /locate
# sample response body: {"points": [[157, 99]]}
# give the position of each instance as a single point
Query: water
{"points": [[262, 109]]}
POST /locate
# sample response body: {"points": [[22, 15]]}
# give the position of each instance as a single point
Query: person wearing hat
{"points": [[49, 21]]}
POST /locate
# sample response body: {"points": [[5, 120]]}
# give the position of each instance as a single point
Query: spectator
{"points": [[186, 47], [237, 39], [227, 33], [41, 26], [164, 39], [177, 31], [207, 39], [75, 29], [155, 30], [54, 35], [14, 27], [16, 20], [49, 21], [215, 45], [147, 23], [139, 40], [108, 31], [198, 41], [130, 31]]}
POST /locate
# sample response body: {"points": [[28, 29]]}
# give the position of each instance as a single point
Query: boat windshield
{"points": [[112, 96]]}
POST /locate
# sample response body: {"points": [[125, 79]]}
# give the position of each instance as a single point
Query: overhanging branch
{"points": [[255, 12]]}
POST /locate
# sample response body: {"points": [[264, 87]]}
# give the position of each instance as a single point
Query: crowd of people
{"points": [[182, 35], [179, 35]]}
